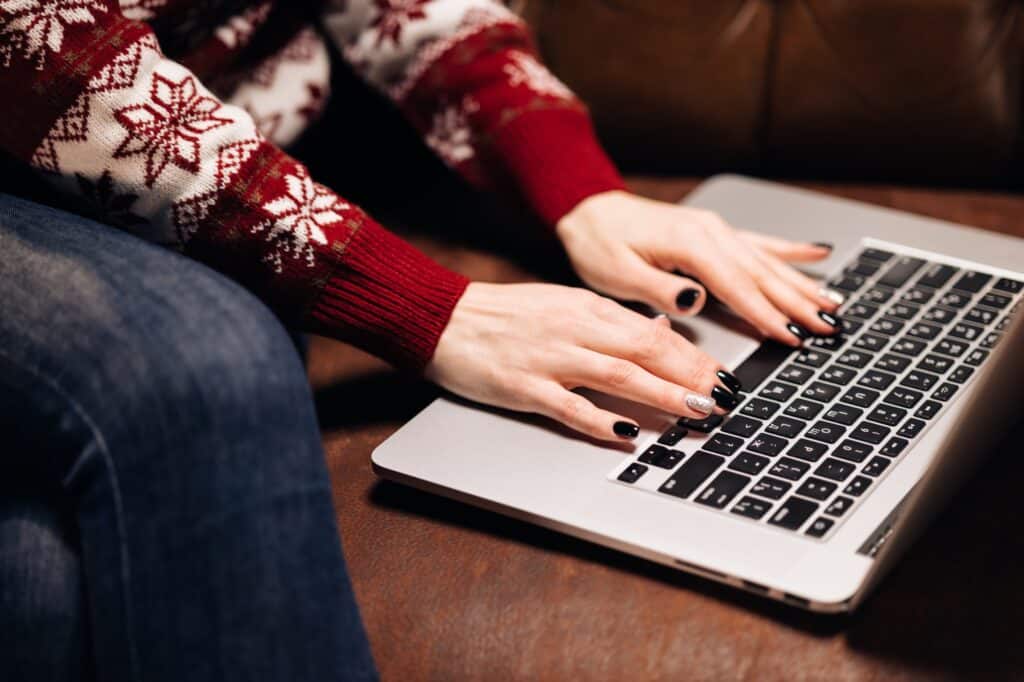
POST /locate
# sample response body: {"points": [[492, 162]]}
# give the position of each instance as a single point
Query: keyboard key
{"points": [[1003, 324], [843, 414], [848, 283], [886, 326], [776, 390], [785, 427], [870, 432], [839, 506], [952, 347], [922, 381], [849, 327], [791, 469], [795, 374], [749, 463], [752, 508], [864, 311], [804, 409], [672, 436], [989, 341], [940, 315], [705, 425], [875, 254], [917, 295], [962, 330], [955, 299], [887, 414], [865, 268], [976, 357], [1010, 286], [871, 342], [761, 363], [837, 374], [876, 466], [744, 427], [768, 445], [632, 473], [945, 391], [907, 346], [972, 282], [661, 457], [911, 428], [903, 311], [936, 275], [892, 363], [995, 300], [807, 450], [852, 451], [834, 342], [819, 527], [935, 363], [769, 487], [900, 271], [894, 447], [877, 295], [812, 358], [903, 397], [723, 444], [834, 469], [980, 316], [720, 491], [816, 488], [854, 358], [860, 397], [691, 474], [825, 432], [961, 374], [876, 380], [652, 454], [923, 330], [928, 409], [820, 391], [793, 513], [759, 409], [857, 486]]}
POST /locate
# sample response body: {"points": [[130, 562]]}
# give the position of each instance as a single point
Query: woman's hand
{"points": [[626, 246], [525, 346]]}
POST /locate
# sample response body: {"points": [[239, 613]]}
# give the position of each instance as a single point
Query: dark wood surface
{"points": [[451, 592]]}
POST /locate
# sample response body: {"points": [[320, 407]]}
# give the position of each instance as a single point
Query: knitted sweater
{"points": [[167, 116]]}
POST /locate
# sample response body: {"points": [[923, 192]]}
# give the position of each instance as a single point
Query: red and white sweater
{"points": [[168, 116]]}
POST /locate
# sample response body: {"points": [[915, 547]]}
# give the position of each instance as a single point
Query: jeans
{"points": [[165, 508]]}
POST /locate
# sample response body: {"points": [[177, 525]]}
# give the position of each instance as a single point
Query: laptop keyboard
{"points": [[820, 426]]}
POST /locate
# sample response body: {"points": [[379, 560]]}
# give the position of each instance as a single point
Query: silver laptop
{"points": [[839, 452]]}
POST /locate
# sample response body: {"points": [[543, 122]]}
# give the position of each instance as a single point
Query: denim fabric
{"points": [[165, 508]]}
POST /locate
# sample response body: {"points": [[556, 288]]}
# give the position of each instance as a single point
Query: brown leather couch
{"points": [[922, 91]]}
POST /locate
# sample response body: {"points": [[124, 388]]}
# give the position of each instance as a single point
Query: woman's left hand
{"points": [[627, 247]]}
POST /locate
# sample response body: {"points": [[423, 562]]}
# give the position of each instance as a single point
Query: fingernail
{"points": [[830, 319], [798, 331], [704, 404], [730, 380], [824, 245], [626, 430], [686, 298], [724, 398], [832, 295]]}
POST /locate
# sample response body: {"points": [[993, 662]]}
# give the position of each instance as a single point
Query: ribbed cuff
{"points": [[387, 298], [556, 160]]}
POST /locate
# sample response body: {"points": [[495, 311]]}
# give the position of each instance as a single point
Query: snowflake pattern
{"points": [[167, 128], [451, 136], [239, 29], [524, 69], [36, 27], [299, 218], [105, 202], [393, 15]]}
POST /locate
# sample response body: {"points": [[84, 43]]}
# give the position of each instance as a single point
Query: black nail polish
{"points": [[798, 331], [626, 430], [724, 398], [730, 380], [824, 245], [829, 318], [686, 298]]}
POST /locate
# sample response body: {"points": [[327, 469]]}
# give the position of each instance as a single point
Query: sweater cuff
{"points": [[554, 156], [387, 298]]}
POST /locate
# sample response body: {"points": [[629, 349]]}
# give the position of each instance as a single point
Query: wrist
{"points": [[584, 213]]}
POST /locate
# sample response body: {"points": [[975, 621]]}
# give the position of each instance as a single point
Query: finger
{"points": [[657, 288], [625, 379], [811, 289], [555, 401], [790, 251], [795, 305]]}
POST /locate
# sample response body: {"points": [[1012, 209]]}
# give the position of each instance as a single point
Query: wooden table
{"points": [[450, 592]]}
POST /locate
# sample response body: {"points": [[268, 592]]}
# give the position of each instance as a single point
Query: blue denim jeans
{"points": [[165, 508]]}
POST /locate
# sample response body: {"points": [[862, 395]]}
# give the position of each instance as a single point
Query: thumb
{"points": [[661, 290]]}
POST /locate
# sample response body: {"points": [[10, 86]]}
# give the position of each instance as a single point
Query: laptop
{"points": [[839, 452]]}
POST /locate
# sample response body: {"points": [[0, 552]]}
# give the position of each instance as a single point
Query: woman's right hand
{"points": [[525, 346]]}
